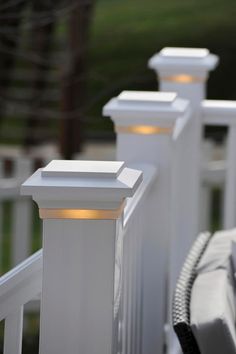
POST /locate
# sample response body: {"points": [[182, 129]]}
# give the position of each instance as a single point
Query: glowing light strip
{"points": [[92, 214], [183, 79], [143, 129]]}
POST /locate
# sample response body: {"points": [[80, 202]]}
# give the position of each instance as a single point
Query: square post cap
{"points": [[146, 112], [186, 62], [82, 189]]}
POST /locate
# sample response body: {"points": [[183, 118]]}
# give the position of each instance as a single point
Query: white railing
{"points": [[21, 218], [19, 215], [129, 264], [110, 269], [18, 287], [223, 113]]}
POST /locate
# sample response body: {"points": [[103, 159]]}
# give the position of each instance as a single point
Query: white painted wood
{"points": [[9, 188], [160, 112], [20, 285], [155, 149], [230, 185], [22, 216], [205, 207], [193, 53], [184, 71], [150, 174], [84, 169], [13, 332], [77, 300], [81, 191], [181, 219], [130, 259], [22, 230], [224, 113], [217, 112], [141, 97], [77, 312], [206, 186], [213, 173], [194, 61], [174, 348], [213, 176]]}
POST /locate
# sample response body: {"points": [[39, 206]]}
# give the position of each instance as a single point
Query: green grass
{"points": [[126, 33], [36, 240]]}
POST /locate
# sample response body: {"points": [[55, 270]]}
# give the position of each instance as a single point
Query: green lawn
{"points": [[126, 33]]}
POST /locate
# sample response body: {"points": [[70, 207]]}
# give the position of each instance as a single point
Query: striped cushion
{"points": [[213, 312], [212, 304]]}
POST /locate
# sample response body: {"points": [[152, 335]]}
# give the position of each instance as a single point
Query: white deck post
{"points": [[144, 122], [185, 71], [81, 204]]}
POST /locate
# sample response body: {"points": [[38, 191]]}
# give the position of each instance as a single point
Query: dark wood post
{"points": [[75, 77]]}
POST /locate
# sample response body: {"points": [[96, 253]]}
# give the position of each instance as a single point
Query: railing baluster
{"points": [[223, 113], [230, 185], [13, 332], [22, 216]]}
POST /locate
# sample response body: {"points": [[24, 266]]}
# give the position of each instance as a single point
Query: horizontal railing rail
{"points": [[17, 288], [150, 174], [218, 112], [21, 285], [10, 188]]}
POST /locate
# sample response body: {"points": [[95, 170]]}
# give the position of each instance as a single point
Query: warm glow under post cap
{"points": [[183, 65], [145, 112], [82, 189]]}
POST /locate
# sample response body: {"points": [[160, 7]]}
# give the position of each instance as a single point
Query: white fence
{"points": [[19, 210], [110, 270]]}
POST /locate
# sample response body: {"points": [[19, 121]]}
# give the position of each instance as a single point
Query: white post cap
{"points": [[82, 186], [148, 112], [196, 62]]}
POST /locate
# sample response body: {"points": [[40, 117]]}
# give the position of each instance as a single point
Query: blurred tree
{"points": [[10, 18], [40, 18]]}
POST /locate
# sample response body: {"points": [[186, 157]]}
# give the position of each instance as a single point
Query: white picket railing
{"points": [[21, 218], [109, 273], [223, 113], [20, 214], [129, 258], [17, 287]]}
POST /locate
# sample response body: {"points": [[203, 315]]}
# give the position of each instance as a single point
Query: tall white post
{"points": [[144, 122], [81, 204], [185, 71]]}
